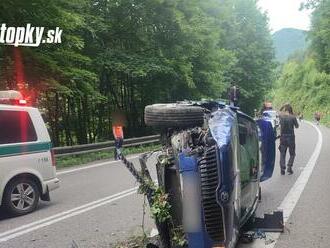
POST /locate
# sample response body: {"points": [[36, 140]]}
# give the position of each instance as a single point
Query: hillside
{"points": [[287, 41]]}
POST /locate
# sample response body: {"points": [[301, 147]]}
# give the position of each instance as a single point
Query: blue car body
{"points": [[216, 158], [237, 171]]}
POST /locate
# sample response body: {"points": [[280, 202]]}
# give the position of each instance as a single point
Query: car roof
{"points": [[15, 107]]}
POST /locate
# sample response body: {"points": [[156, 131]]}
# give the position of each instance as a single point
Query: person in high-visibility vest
{"points": [[118, 134]]}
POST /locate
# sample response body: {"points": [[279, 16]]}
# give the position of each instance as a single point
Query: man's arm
{"points": [[295, 122]]}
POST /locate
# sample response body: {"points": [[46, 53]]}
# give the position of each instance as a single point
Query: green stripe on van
{"points": [[12, 150]]}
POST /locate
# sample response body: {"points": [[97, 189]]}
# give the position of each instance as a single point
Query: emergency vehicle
{"points": [[27, 164]]}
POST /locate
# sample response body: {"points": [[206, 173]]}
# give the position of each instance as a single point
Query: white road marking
{"points": [[291, 199], [287, 204], [19, 231], [90, 166], [294, 194]]}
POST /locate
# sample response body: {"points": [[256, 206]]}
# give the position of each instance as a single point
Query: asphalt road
{"points": [[98, 205]]}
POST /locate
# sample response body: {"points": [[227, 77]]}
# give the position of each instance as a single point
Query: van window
{"points": [[16, 127]]}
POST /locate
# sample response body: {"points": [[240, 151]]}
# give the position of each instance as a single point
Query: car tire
{"points": [[21, 196], [173, 115]]}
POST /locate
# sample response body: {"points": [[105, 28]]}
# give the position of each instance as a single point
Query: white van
{"points": [[27, 165]]}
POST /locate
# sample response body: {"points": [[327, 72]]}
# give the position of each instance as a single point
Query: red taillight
{"points": [[53, 157]]}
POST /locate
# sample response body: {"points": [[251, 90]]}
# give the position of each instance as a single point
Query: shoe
{"points": [[282, 172], [290, 171]]}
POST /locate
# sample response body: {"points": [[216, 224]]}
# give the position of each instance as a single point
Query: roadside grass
{"points": [[325, 119], [83, 159]]}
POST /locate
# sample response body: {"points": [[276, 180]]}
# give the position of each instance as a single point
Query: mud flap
{"points": [[268, 151]]}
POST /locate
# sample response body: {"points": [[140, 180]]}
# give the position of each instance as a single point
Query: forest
{"points": [[121, 55], [304, 80]]}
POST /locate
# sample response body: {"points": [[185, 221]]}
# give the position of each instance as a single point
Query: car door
{"points": [[267, 138]]}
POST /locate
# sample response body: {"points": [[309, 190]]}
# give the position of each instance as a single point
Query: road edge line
{"points": [[292, 197], [80, 209], [86, 167], [20, 233]]}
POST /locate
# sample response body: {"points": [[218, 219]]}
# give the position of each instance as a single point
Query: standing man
{"points": [[287, 139], [233, 95]]}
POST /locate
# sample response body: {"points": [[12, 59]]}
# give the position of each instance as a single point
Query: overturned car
{"points": [[213, 159]]}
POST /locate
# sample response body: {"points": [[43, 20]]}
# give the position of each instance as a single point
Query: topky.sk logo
{"points": [[29, 35]]}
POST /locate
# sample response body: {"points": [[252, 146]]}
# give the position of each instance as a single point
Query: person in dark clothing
{"points": [[317, 117], [234, 94], [287, 138]]}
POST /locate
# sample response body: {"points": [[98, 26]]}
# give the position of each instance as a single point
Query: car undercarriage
{"points": [[208, 172]]}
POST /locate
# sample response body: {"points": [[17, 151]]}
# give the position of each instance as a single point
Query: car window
{"points": [[249, 150], [16, 127]]}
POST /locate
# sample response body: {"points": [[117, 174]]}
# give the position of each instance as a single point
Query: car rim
{"points": [[23, 196]]}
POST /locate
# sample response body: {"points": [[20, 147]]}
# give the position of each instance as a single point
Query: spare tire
{"points": [[173, 115]]}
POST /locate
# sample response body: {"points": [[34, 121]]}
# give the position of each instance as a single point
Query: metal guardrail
{"points": [[103, 146]]}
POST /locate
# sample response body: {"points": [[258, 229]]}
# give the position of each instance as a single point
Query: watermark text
{"points": [[29, 35]]}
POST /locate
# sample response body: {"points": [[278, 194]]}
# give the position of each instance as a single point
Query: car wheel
{"points": [[21, 196], [173, 115]]}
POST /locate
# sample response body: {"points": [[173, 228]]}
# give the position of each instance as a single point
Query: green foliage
{"points": [[126, 54], [146, 186], [160, 208], [178, 237], [248, 36], [305, 79], [320, 35], [306, 88]]}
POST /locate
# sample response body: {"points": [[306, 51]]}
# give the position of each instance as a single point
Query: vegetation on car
{"points": [[160, 208]]}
